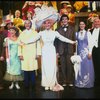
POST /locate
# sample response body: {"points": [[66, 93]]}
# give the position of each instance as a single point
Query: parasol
{"points": [[76, 60]]}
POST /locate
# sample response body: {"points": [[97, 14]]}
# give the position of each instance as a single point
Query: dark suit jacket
{"points": [[1, 45], [99, 40], [62, 47], [2, 63]]}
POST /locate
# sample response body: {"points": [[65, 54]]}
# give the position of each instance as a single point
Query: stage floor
{"points": [[38, 92]]}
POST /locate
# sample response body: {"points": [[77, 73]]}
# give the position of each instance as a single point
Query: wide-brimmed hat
{"points": [[69, 6], [66, 2], [3, 24], [8, 21], [46, 14], [53, 17]]}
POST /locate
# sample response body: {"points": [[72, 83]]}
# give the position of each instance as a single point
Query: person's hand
{"points": [[21, 58], [21, 43], [1, 58], [37, 56], [74, 42], [26, 2], [6, 43], [89, 56], [58, 55]]}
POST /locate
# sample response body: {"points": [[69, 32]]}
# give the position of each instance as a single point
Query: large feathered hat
{"points": [[44, 14]]}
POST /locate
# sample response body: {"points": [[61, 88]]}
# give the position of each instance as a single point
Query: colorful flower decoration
{"points": [[92, 16], [80, 4]]}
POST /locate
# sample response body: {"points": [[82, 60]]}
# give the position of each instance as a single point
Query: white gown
{"points": [[49, 66]]}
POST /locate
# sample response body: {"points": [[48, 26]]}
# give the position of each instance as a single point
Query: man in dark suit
{"points": [[96, 50], [65, 51], [2, 60]]}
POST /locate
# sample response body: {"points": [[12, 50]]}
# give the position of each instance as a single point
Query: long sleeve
{"points": [[63, 39], [90, 46], [19, 47], [56, 42], [6, 45], [32, 40], [19, 50], [38, 48]]}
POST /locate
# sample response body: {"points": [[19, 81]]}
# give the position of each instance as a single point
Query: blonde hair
{"points": [[51, 21]]}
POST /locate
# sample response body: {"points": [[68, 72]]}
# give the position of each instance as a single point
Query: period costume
{"points": [[29, 53], [14, 72], [18, 22], [65, 51], [96, 54], [85, 77]]}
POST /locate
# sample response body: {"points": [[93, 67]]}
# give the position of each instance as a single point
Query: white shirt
{"points": [[95, 36], [82, 34]]}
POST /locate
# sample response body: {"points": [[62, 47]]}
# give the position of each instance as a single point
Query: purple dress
{"points": [[85, 78]]}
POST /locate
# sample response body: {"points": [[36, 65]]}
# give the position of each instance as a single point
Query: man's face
{"points": [[64, 21], [27, 24], [97, 23], [17, 14]]}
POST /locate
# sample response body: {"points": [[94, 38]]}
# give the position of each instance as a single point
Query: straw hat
{"points": [[67, 2], [69, 6]]}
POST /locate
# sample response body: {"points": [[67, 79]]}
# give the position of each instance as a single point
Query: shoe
{"points": [[64, 84], [60, 87], [1, 87], [11, 86], [46, 88], [71, 85], [17, 86], [51, 88]]}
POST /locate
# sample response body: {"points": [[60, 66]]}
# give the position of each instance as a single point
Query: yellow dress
{"points": [[18, 22], [29, 52]]}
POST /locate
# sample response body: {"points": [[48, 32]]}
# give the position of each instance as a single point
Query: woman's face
{"points": [[29, 16], [27, 24], [64, 5], [9, 25], [82, 25], [47, 24], [69, 9], [12, 32]]}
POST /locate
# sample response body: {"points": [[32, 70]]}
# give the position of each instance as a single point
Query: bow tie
{"points": [[65, 26]]}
